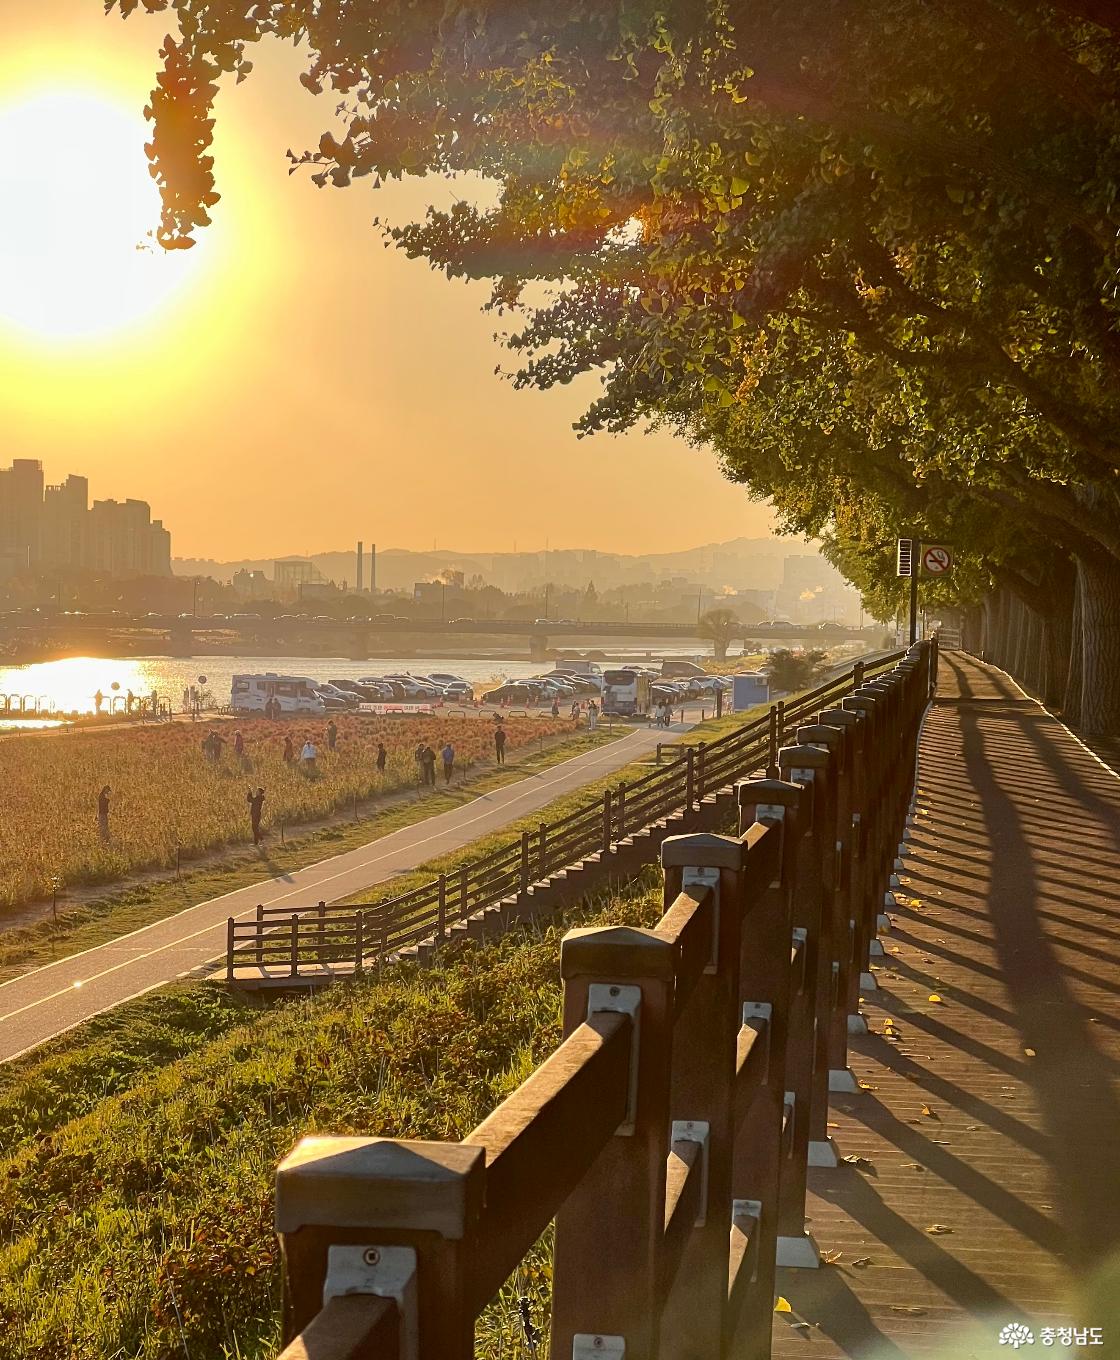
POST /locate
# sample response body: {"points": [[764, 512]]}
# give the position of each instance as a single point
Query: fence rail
{"points": [[315, 943], [670, 1133]]}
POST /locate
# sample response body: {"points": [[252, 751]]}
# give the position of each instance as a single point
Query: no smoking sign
{"points": [[936, 560]]}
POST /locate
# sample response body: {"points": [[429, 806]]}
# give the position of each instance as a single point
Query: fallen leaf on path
{"points": [[930, 1114], [855, 1160], [862, 1261], [782, 1305], [933, 996], [914, 1166], [913, 1312], [1030, 1052], [971, 1128], [866, 1086], [831, 1257], [938, 1228]]}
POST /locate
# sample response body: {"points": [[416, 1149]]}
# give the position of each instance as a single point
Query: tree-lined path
{"points": [[990, 1119]]}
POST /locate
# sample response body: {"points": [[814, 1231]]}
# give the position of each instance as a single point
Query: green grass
{"points": [[139, 1151], [93, 922]]}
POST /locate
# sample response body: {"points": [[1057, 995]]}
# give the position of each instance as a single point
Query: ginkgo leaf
{"points": [[933, 996], [938, 1228], [782, 1305]]}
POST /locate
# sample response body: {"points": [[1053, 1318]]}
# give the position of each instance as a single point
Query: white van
{"points": [[294, 693]]}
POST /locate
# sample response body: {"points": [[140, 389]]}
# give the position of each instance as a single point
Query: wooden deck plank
{"points": [[995, 1112]]}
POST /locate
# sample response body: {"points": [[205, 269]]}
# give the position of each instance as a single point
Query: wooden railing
{"points": [[669, 1135], [291, 944]]}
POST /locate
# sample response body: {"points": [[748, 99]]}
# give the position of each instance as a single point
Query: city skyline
{"points": [[287, 379]]}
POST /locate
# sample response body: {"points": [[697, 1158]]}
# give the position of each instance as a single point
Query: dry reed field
{"points": [[169, 797]]}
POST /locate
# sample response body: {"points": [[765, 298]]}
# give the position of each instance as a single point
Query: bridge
{"points": [[855, 1095], [359, 636]]}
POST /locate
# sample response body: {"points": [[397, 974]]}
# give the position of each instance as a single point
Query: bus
{"points": [[626, 693], [294, 693]]}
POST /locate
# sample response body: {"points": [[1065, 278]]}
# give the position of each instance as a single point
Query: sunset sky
{"points": [[288, 385]]}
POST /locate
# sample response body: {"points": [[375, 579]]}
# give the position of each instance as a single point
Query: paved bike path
{"points": [[50, 1000]]}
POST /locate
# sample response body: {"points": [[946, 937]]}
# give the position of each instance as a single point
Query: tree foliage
{"points": [[868, 253]]}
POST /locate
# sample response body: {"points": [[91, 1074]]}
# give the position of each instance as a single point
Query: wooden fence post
{"points": [[359, 922], [441, 910], [836, 738], [816, 765], [351, 1209], [703, 1082], [229, 949], [856, 879], [606, 821], [525, 851], [608, 1233], [771, 1147], [295, 944], [690, 778], [542, 850]]}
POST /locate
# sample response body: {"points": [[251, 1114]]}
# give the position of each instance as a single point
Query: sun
{"points": [[77, 262]]}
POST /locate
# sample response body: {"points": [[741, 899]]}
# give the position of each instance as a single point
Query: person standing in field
{"points": [[500, 745], [381, 757], [103, 813], [419, 754], [256, 803], [429, 766], [239, 749], [448, 754], [332, 735], [308, 756], [555, 706], [289, 751]]}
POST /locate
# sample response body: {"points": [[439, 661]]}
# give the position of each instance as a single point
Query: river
{"points": [[69, 686]]}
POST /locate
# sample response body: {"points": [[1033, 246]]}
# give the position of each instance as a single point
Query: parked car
{"points": [[518, 693], [366, 694]]}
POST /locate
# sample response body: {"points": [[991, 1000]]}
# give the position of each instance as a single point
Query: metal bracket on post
{"points": [[384, 1272], [760, 1010], [696, 1131], [591, 1346], [603, 996], [693, 876]]}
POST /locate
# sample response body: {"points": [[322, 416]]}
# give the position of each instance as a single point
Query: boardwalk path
{"points": [[43, 1003], [996, 1112]]}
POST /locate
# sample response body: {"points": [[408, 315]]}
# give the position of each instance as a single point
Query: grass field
{"points": [[111, 912], [169, 799], [137, 1155]]}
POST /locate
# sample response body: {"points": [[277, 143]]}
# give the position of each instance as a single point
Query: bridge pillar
{"points": [[180, 641], [359, 644], [538, 647]]}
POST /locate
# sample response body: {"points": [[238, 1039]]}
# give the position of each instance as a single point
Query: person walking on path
{"points": [[575, 709], [448, 754], [289, 751], [308, 757], [103, 813], [332, 735], [381, 757], [555, 706], [500, 745], [592, 715], [421, 777], [256, 803]]}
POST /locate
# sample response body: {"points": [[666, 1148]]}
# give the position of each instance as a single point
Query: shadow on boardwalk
{"points": [[990, 1114]]}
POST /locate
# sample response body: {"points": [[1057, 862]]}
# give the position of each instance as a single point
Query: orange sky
{"points": [[302, 387]]}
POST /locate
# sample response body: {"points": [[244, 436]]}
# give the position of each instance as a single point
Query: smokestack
{"points": [[372, 567], [361, 545]]}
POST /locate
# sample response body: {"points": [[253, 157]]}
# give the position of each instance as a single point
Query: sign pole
{"points": [[914, 596]]}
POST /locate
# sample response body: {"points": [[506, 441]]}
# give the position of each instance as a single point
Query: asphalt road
{"points": [[50, 1000]]}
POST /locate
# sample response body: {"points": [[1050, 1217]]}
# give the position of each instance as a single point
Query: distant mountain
{"points": [[741, 563]]}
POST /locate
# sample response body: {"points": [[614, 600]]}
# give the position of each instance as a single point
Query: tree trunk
{"points": [[1057, 629], [1071, 703], [1099, 593]]}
